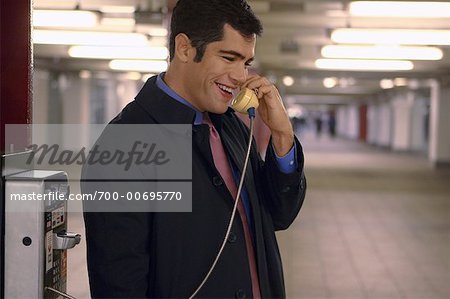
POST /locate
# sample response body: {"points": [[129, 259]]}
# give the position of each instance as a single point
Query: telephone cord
{"points": [[230, 223]]}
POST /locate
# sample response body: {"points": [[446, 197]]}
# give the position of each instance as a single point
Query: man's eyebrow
{"points": [[237, 54]]}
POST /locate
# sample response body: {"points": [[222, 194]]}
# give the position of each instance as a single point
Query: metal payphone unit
{"points": [[36, 237]]}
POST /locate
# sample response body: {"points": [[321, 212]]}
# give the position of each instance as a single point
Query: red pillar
{"points": [[363, 123], [15, 69]]}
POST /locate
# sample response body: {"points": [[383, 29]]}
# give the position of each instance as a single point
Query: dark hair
{"points": [[203, 21]]}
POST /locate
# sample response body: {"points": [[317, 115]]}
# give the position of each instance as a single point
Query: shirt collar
{"points": [[170, 92]]}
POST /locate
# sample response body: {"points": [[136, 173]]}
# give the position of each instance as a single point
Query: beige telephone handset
{"points": [[245, 100]]}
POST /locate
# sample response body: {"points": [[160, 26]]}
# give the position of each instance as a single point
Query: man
{"points": [[167, 255]]}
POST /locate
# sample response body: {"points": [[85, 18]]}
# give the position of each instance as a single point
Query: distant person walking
{"points": [[318, 122], [332, 124]]}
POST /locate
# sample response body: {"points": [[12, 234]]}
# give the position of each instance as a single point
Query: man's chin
{"points": [[219, 109]]}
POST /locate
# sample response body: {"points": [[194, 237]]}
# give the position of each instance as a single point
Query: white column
{"points": [[384, 125], [402, 119], [41, 84], [419, 123], [75, 109], [75, 97], [40, 96], [341, 121], [126, 91], [372, 116], [347, 120], [353, 122], [439, 147]]}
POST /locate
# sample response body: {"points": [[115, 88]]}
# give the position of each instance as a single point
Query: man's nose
{"points": [[239, 74]]}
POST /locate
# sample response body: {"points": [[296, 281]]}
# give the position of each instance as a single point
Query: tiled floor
{"points": [[375, 224]]}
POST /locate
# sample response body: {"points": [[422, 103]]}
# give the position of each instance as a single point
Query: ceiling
{"points": [[294, 32]]}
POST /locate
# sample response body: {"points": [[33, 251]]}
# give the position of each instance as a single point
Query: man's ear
{"points": [[183, 47]]}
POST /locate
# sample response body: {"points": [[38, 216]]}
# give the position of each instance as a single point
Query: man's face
{"points": [[222, 70]]}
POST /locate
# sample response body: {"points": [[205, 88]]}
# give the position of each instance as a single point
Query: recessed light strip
{"points": [[391, 36], [400, 9], [107, 52], [364, 65], [146, 66], [381, 52], [65, 18], [65, 37]]}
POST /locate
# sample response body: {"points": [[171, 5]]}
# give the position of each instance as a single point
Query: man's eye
{"points": [[248, 64], [228, 58]]}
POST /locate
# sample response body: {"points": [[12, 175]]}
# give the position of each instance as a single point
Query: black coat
{"points": [[160, 255]]}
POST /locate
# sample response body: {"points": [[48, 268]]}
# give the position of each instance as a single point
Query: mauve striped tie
{"points": [[223, 166]]}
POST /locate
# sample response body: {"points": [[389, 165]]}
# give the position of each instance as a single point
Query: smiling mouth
{"points": [[225, 89]]}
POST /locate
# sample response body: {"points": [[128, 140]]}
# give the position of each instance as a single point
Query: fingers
{"points": [[260, 85], [271, 108], [256, 82], [264, 90]]}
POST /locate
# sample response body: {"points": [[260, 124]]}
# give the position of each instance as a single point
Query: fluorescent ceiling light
{"points": [[402, 9], [345, 82], [147, 66], [391, 36], [132, 76], [98, 52], [401, 82], [389, 83], [118, 22], [64, 18], [85, 74], [157, 31], [117, 9], [381, 52], [288, 81], [364, 65], [64, 37], [386, 83], [330, 82]]}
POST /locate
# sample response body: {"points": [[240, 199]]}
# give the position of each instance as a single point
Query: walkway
{"points": [[375, 224]]}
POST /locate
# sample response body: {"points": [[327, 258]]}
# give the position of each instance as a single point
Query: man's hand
{"points": [[273, 113]]}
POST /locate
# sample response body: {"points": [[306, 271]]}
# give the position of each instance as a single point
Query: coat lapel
{"points": [[200, 140]]}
